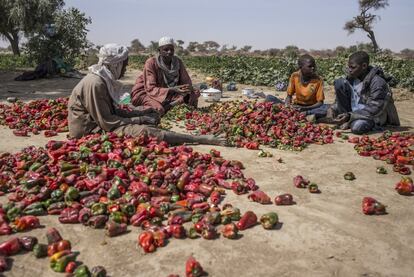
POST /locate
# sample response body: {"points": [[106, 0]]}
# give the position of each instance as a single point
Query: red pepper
{"points": [[372, 206], [69, 215], [215, 197], [249, 219], [26, 222], [70, 267], [405, 186], [20, 133], [284, 199], [50, 133], [230, 231], [10, 247], [260, 197], [146, 241], [193, 268], [53, 235], [177, 231], [300, 182]]}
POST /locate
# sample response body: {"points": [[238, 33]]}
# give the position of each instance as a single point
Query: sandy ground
{"points": [[323, 235]]}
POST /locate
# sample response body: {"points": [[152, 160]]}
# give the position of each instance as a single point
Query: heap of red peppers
{"points": [[35, 116], [250, 124], [393, 148]]}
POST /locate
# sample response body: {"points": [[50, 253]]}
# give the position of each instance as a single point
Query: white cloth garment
{"points": [[356, 95], [165, 41], [109, 67]]}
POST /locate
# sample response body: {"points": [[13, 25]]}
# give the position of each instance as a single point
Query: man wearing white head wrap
{"points": [[111, 59], [164, 82], [91, 104]]}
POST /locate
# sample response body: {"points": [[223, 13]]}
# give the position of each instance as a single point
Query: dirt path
{"points": [[323, 235]]}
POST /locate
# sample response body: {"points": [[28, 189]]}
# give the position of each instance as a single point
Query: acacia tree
{"points": [[365, 19], [136, 46], [22, 17]]}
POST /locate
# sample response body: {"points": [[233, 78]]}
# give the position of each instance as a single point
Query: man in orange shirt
{"points": [[305, 89]]}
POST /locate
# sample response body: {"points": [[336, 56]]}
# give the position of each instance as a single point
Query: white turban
{"points": [[111, 59], [165, 41]]}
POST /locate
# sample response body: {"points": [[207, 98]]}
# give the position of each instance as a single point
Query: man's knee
{"points": [[360, 127]]}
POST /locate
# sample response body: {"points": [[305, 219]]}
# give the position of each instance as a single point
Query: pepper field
{"points": [[323, 234]]}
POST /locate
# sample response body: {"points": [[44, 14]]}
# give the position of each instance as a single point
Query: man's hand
{"points": [[151, 119], [288, 101], [342, 118], [183, 89]]}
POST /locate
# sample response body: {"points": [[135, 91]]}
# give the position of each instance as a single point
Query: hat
{"points": [[165, 41]]}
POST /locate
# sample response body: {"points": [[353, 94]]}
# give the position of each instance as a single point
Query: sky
{"points": [[262, 24]]}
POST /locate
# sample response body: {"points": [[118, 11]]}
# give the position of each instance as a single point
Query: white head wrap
{"points": [[165, 41], [111, 59]]}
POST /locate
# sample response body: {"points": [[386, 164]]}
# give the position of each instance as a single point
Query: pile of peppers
{"points": [[35, 116], [110, 181], [250, 124], [59, 251], [393, 148]]}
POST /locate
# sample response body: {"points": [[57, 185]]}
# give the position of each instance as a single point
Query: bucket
{"points": [[211, 95]]}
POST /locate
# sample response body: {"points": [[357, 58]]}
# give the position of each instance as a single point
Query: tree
{"points": [[153, 47], [66, 41], [211, 46], [136, 46], [365, 19], [22, 17], [246, 48]]}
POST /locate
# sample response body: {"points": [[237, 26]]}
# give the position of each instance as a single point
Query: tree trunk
{"points": [[374, 41], [14, 42]]}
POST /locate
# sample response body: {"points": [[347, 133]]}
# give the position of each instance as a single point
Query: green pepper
{"points": [[8, 206], [116, 181], [84, 167], [126, 153], [62, 262], [40, 250], [47, 203], [97, 169], [113, 193], [157, 221], [106, 146], [137, 159], [56, 206], [35, 166], [82, 271], [65, 166], [128, 209], [74, 156], [225, 220], [98, 209], [71, 194], [269, 220], [114, 164], [104, 137], [165, 207], [117, 216], [137, 150], [84, 152], [192, 233], [14, 212], [34, 209], [196, 217], [57, 195], [146, 180]]}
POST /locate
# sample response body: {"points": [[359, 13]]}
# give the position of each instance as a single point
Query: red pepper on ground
{"points": [[260, 197], [249, 219], [300, 182], [371, 206], [284, 199], [193, 268], [146, 241]]}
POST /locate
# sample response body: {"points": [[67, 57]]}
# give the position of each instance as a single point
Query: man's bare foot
{"points": [[212, 140]]}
